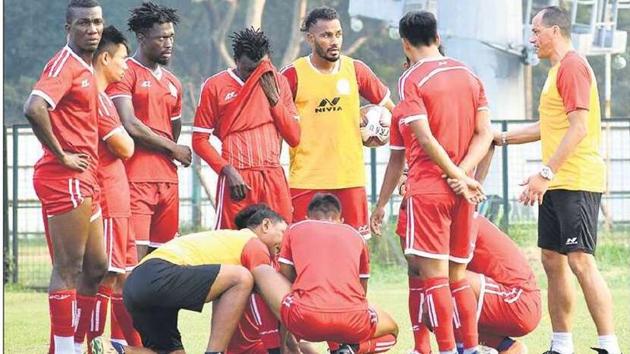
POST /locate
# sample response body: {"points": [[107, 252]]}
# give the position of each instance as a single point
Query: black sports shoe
{"points": [[551, 352]]}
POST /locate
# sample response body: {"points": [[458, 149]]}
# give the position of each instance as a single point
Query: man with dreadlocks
{"points": [[149, 102], [250, 109]]}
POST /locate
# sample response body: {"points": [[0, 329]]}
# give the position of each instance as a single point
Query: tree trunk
{"points": [[219, 34], [293, 48], [253, 17]]}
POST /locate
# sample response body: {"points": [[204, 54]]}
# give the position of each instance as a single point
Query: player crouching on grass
{"points": [[320, 293], [191, 270]]}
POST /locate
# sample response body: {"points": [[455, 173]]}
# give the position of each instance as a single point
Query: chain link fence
{"points": [[27, 262]]}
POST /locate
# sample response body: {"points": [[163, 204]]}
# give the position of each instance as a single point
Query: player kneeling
{"points": [[320, 295], [191, 270]]}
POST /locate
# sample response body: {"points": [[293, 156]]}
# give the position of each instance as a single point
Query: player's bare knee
{"points": [[553, 262], [581, 263], [241, 277]]}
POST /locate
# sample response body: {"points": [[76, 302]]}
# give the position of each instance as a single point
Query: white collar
{"points": [[77, 57], [157, 73], [231, 72]]}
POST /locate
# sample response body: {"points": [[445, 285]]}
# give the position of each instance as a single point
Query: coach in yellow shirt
{"points": [[327, 88], [569, 185], [191, 270]]}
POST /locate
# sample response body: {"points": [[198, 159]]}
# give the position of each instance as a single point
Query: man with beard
{"points": [[327, 87], [149, 102], [62, 110]]}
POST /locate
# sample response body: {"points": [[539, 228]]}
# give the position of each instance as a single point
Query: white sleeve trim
{"points": [[46, 98], [285, 261], [387, 96], [396, 147], [176, 117], [414, 118], [120, 96], [483, 108], [202, 130], [118, 129], [364, 276]]}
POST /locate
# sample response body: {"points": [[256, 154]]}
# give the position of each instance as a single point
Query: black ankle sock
{"points": [[505, 344]]}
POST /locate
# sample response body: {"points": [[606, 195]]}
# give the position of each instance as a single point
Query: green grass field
{"points": [[26, 323]]}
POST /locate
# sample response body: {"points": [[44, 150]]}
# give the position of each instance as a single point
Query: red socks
{"points": [[267, 323], [62, 306], [416, 303], [124, 321], [440, 309], [99, 315], [85, 306], [465, 312]]}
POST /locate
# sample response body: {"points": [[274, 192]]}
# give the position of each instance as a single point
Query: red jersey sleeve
{"points": [[396, 141], [55, 81], [177, 109], [108, 121], [482, 101], [255, 253], [203, 126], [286, 255], [411, 109], [574, 83], [370, 87], [291, 74], [124, 87], [364, 262], [285, 114]]}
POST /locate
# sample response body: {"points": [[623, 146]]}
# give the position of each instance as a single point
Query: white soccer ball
{"points": [[375, 122]]}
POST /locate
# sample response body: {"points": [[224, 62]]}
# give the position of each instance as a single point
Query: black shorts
{"points": [[155, 292], [567, 221]]}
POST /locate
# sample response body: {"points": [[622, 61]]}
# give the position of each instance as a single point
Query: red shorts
{"points": [[257, 330], [120, 244], [269, 186], [154, 212], [438, 226], [507, 311], [59, 196], [316, 326], [354, 207]]}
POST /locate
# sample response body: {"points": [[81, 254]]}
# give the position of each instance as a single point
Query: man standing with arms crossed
{"points": [[149, 103], [327, 87], [570, 183], [62, 110]]}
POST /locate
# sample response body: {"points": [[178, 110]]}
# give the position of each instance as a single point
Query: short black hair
{"points": [[419, 28], [253, 215], [325, 203], [251, 42], [319, 13], [557, 16], [72, 4], [146, 15], [110, 39]]}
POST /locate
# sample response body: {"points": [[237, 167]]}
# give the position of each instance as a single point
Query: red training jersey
{"points": [[112, 178], [329, 260], [157, 100], [370, 87], [68, 85], [447, 94], [498, 257], [257, 147]]}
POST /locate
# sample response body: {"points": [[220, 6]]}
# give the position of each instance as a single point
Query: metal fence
{"points": [[26, 258]]}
